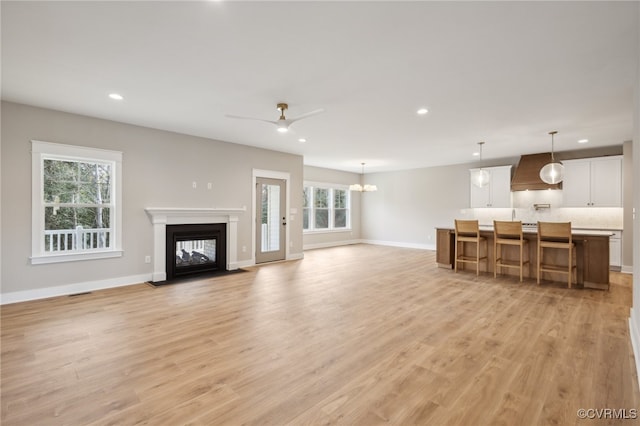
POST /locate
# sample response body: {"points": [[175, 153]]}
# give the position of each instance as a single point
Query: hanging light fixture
{"points": [[480, 177], [552, 172], [361, 188]]}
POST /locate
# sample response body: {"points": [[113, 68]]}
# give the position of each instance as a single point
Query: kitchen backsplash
{"points": [[523, 202]]}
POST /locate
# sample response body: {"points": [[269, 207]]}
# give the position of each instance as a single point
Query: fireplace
{"points": [[195, 249], [163, 217]]}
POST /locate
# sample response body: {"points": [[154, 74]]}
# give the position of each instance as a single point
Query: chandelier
{"points": [[362, 188]]}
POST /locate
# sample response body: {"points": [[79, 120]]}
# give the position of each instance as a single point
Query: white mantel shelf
{"points": [[162, 216], [182, 213]]}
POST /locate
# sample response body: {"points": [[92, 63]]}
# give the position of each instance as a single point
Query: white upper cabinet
{"points": [[497, 193], [592, 182]]}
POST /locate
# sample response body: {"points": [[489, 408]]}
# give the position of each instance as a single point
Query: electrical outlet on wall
{"points": [[147, 259], [194, 184]]}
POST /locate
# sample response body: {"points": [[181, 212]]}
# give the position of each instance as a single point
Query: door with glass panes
{"points": [[270, 219]]}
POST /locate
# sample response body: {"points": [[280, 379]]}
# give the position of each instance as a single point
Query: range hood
{"points": [[527, 174]]}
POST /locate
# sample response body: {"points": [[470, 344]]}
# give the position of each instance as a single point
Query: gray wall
{"points": [[628, 189], [158, 170], [410, 204], [634, 321], [333, 238]]}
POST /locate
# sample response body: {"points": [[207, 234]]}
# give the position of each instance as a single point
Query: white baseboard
{"points": [[295, 256], [401, 244], [626, 269], [241, 264], [635, 338], [63, 290], [330, 244]]}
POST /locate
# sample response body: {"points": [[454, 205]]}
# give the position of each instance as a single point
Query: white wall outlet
{"points": [[209, 185], [194, 184], [147, 259], [244, 249]]}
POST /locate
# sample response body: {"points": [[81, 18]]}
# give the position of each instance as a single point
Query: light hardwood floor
{"points": [[350, 335]]}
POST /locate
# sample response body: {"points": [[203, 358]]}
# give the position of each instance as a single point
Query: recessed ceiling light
{"points": [[475, 154], [583, 141], [116, 96], [302, 140], [422, 111]]}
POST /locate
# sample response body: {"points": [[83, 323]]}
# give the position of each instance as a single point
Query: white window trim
{"points": [[331, 228], [41, 150]]}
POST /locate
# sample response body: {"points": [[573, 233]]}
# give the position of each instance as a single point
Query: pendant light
{"points": [[552, 172], [361, 188], [480, 177]]}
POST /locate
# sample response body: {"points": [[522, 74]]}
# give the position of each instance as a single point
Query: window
{"points": [[76, 193], [325, 207]]}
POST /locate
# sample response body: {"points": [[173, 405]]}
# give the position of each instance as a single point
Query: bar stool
{"points": [[509, 234], [556, 235], [468, 231]]}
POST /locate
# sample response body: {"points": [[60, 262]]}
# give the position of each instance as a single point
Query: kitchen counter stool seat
{"points": [[556, 236], [468, 231], [509, 234]]}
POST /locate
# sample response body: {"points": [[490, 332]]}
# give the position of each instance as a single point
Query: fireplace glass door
{"points": [[271, 220], [195, 252]]}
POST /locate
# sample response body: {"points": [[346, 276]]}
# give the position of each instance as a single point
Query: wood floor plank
{"points": [[358, 334]]}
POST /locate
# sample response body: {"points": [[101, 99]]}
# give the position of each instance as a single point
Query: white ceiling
{"points": [[501, 72]]}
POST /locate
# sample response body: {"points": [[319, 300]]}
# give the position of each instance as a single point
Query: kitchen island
{"points": [[591, 255]]}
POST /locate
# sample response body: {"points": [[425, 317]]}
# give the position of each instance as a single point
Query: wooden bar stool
{"points": [[556, 235], [509, 234], [468, 231]]}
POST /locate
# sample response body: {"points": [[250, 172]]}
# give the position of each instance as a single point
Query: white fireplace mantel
{"points": [[163, 216]]}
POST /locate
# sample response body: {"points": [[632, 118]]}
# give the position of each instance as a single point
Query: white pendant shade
{"points": [[480, 177], [552, 173], [365, 188], [362, 188]]}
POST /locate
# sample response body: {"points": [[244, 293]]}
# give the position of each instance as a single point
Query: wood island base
{"points": [[591, 257]]}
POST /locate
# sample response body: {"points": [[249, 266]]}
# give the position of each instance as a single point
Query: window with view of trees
{"points": [[325, 207], [77, 205], [74, 201]]}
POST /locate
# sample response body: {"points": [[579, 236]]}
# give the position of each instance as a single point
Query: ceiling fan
{"points": [[282, 123]]}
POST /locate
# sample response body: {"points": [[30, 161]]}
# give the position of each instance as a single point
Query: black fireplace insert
{"points": [[196, 249]]}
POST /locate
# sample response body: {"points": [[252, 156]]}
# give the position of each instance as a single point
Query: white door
{"points": [[270, 219]]}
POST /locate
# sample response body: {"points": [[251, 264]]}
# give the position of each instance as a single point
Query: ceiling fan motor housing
{"points": [[282, 107]]}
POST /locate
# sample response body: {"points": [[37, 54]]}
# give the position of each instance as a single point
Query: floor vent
{"points": [[79, 294]]}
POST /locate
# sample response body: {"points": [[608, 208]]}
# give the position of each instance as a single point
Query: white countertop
{"points": [[534, 230]]}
